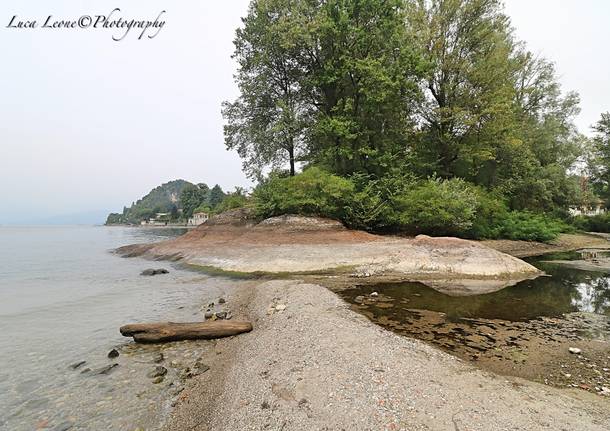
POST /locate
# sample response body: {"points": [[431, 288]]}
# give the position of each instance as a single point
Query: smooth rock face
{"points": [[295, 244]]}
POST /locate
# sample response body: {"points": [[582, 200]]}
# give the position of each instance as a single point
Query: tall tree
{"points": [[492, 113], [265, 124], [601, 160], [363, 73], [216, 196]]}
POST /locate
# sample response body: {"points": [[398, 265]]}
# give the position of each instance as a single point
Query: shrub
{"points": [[522, 225], [232, 201], [440, 207], [314, 192], [596, 223]]}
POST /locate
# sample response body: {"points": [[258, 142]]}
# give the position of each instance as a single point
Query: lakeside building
{"points": [[198, 218], [587, 210], [160, 219]]}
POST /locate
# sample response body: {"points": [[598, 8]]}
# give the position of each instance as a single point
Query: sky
{"points": [[89, 124]]}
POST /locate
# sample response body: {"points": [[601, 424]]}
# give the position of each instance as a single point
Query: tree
{"points": [[265, 124], [362, 80], [192, 197], [601, 161], [491, 112], [216, 196]]}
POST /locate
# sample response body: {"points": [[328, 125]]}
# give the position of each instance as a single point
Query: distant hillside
{"points": [[162, 199]]}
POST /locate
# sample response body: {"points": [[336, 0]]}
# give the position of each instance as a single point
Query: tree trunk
{"points": [[291, 155], [169, 331]]}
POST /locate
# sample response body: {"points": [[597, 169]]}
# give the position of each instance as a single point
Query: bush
{"points": [[522, 225], [314, 192], [596, 223], [439, 207], [232, 201]]}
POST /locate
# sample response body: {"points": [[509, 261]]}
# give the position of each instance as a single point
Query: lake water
{"points": [[63, 296], [525, 330]]}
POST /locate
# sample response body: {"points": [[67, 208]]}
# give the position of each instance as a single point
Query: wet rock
{"points": [[221, 301], [106, 369], [158, 357], [151, 271], [114, 353], [78, 364], [157, 372], [575, 350]]}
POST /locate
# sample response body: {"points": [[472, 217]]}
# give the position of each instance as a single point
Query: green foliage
{"points": [[521, 225], [192, 197], [440, 207], [164, 199], [375, 96], [596, 223], [216, 196], [232, 201], [314, 192]]}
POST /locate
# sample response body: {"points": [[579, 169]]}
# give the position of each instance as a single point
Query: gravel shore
{"points": [[313, 364]]}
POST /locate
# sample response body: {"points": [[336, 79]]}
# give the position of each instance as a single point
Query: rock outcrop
{"points": [[234, 242]]}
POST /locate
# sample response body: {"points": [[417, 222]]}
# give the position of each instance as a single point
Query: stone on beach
{"points": [[151, 271]]}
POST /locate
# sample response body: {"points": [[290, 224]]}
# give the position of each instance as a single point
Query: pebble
{"points": [[280, 307], [158, 379], [157, 372], [208, 314], [114, 353], [158, 357], [78, 364], [575, 350], [221, 301], [106, 369], [221, 315], [374, 294]]}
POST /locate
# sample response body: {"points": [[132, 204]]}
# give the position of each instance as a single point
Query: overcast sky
{"points": [[89, 124]]}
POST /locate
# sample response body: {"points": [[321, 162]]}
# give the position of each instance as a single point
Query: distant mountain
{"points": [[162, 199]]}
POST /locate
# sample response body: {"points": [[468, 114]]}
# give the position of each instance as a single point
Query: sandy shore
{"points": [[319, 366]]}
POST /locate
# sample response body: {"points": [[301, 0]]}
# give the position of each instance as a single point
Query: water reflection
{"points": [[565, 290]]}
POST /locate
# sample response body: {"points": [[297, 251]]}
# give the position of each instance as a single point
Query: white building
{"points": [[198, 218]]}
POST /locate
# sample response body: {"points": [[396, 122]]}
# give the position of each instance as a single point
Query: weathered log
{"points": [[170, 331]]}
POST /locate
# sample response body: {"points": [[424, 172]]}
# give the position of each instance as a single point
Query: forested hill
{"points": [[162, 199]]}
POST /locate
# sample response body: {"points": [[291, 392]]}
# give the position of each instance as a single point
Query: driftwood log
{"points": [[169, 331]]}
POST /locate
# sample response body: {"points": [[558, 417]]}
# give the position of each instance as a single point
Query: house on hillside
{"points": [[198, 218]]}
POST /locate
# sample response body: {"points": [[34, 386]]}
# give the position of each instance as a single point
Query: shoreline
{"points": [[278, 376], [319, 364]]}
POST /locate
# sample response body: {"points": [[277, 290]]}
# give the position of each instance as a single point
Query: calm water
{"points": [[63, 297], [565, 290]]}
